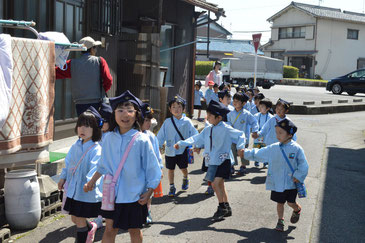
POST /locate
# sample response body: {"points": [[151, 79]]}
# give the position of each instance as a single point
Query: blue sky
{"points": [[243, 15]]}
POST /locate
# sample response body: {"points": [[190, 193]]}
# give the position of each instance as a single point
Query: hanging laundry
{"points": [[29, 124], [6, 70], [60, 51]]}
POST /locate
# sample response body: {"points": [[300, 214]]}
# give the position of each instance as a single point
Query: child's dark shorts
{"points": [[197, 107], [204, 167], [285, 196], [223, 170], [181, 160]]}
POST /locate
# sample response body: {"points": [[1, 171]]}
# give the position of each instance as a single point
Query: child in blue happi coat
{"points": [[81, 163], [139, 176], [147, 113], [268, 130], [198, 96], [280, 178], [217, 138], [262, 117], [170, 134], [244, 121]]}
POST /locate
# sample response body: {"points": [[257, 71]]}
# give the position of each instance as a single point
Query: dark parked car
{"points": [[351, 83]]}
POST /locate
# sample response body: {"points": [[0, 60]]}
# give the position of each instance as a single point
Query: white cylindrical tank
{"points": [[22, 199]]}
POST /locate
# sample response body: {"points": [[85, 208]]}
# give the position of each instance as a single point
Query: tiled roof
{"points": [[203, 19], [323, 12], [226, 45]]}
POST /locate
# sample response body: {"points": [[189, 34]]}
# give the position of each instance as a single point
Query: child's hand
{"points": [[241, 153], [89, 186], [176, 146], [60, 184], [255, 135], [295, 180], [197, 150], [145, 197]]}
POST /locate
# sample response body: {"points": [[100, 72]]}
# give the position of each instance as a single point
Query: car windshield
{"points": [[358, 74]]}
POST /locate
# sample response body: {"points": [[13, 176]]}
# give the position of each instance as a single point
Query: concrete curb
{"points": [[318, 110], [296, 82]]}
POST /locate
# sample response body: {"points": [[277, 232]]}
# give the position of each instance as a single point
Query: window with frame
{"points": [[166, 57], [352, 34], [277, 55], [106, 16], [292, 32]]}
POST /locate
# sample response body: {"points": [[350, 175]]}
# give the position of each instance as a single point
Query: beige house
{"points": [[318, 40]]}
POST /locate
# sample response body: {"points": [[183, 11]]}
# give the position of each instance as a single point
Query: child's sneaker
{"points": [[257, 164], [91, 233], [219, 214], [295, 216], [99, 222], [266, 165], [172, 191], [280, 225], [242, 170], [149, 218], [209, 191], [185, 185], [229, 210]]}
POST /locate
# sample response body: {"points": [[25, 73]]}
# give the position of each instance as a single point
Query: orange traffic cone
{"points": [[158, 191]]}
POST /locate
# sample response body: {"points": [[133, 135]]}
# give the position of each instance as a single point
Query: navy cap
{"points": [[260, 96], [217, 108], [126, 96], [106, 111], [178, 99], [98, 117], [223, 93], [198, 83], [287, 125], [146, 109], [284, 102]]}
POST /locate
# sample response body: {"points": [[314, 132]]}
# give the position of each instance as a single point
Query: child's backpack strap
{"points": [[124, 158]]}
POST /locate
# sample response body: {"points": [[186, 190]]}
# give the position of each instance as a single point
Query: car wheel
{"points": [[337, 89], [266, 86], [351, 93]]}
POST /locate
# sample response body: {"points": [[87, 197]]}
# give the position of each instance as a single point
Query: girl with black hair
{"points": [[81, 162]]}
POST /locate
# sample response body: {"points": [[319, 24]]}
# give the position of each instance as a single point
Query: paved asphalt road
{"points": [[298, 94], [333, 212]]}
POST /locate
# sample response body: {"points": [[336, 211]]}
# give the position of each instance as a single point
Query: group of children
{"points": [[249, 114], [118, 136], [125, 126]]}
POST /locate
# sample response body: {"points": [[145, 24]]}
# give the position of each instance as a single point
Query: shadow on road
{"points": [[64, 233], [343, 211], [189, 199], [206, 224]]}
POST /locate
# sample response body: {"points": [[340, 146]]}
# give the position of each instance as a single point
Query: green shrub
{"points": [[290, 72], [203, 67]]}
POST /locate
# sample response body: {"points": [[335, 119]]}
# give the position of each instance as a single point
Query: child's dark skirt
{"points": [[127, 215], [82, 209]]}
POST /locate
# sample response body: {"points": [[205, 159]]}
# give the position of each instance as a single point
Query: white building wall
{"points": [[292, 18], [338, 55]]}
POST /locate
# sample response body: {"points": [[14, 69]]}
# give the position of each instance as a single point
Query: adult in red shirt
{"points": [[90, 76]]}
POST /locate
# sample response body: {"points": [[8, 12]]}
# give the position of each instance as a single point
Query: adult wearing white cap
{"points": [[90, 76]]}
